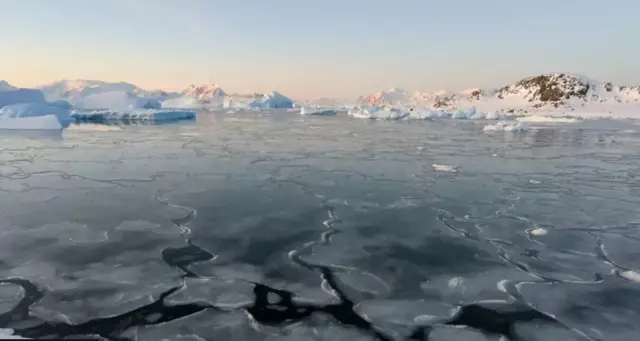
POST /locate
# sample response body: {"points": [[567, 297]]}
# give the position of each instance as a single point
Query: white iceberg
{"points": [[318, 111], [272, 100], [546, 119], [375, 112], [8, 334], [34, 116], [463, 114], [424, 114], [494, 115], [133, 115], [506, 126], [184, 102], [21, 96], [116, 100]]}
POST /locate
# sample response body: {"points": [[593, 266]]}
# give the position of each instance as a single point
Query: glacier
{"points": [[35, 116], [115, 100], [133, 115]]}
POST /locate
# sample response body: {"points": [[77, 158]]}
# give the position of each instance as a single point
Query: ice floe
{"points": [[34, 116], [133, 115], [444, 168], [317, 111], [546, 119], [506, 126], [375, 112]]}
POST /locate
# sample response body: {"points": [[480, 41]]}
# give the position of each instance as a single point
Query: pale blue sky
{"points": [[310, 49]]}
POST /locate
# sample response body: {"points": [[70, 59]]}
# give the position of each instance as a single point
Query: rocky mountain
{"points": [[553, 90]]}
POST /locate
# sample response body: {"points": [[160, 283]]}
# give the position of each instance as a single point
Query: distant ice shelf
{"points": [[133, 115]]}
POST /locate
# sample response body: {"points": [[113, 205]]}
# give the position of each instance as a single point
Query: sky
{"points": [[317, 48]]}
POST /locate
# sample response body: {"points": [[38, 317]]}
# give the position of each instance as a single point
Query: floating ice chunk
{"points": [[630, 275], [463, 114], [116, 100], [36, 116], [424, 114], [220, 293], [184, 102], [272, 100], [93, 127], [133, 115], [62, 104], [49, 122], [16, 96], [494, 115], [8, 334], [538, 232], [506, 126], [374, 112], [318, 111], [403, 311], [546, 119], [444, 168]]}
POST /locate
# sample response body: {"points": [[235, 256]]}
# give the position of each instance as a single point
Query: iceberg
{"points": [[506, 126], [463, 114], [494, 115], [133, 115], [21, 96], [116, 100], [318, 111], [375, 112], [8, 334], [62, 104], [423, 114], [35, 116], [184, 102], [272, 100]]}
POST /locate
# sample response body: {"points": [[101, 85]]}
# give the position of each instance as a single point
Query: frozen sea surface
{"points": [[277, 226]]}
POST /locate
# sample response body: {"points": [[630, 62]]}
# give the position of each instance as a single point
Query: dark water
{"points": [[280, 227]]}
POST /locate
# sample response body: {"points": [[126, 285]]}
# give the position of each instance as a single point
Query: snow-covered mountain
{"points": [[74, 89], [204, 92], [554, 90], [5, 86]]}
